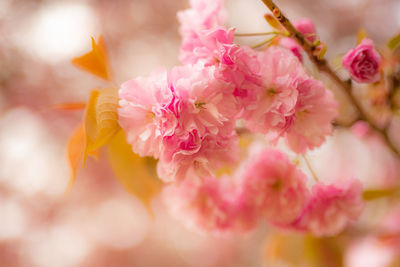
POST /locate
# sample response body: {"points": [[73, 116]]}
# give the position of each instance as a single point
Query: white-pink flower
{"points": [[280, 74], [273, 187], [311, 122], [332, 207]]}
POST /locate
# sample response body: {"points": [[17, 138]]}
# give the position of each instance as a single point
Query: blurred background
{"points": [[98, 223]]}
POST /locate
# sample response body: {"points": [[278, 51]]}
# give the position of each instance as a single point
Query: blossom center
{"points": [[271, 92], [199, 104]]}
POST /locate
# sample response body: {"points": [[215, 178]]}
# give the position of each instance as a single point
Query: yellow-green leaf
{"points": [[378, 193], [362, 33], [394, 42], [96, 61], [136, 174], [101, 118], [273, 22]]}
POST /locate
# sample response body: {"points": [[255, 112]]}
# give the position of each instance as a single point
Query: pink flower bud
{"points": [[363, 62], [306, 27]]}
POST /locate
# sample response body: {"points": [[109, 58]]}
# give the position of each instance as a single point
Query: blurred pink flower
{"points": [[332, 207], [206, 205], [294, 47], [273, 186], [312, 121], [363, 62], [306, 27], [196, 23]]}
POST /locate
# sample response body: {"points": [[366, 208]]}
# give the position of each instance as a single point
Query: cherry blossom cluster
{"points": [[266, 187], [187, 118]]}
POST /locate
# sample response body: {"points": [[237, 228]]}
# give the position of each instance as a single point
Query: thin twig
{"points": [[259, 34], [261, 44], [324, 67], [310, 168]]}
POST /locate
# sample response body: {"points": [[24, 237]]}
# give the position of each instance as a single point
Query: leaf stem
{"points": [[310, 168]]}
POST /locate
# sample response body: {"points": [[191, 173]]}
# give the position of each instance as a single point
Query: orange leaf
{"points": [[101, 118], [136, 174], [96, 61], [75, 150], [69, 106]]}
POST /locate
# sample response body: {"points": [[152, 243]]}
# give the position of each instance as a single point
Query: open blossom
{"points": [[312, 121], [274, 187], [277, 96], [363, 62], [209, 102], [332, 207], [205, 137], [142, 102]]}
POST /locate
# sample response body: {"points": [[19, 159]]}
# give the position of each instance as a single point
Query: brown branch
{"points": [[324, 67]]}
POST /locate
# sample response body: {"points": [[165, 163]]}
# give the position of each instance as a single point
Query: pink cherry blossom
{"points": [[273, 187], [209, 102], [277, 96], [312, 121], [204, 137], [332, 207], [142, 101], [183, 117], [363, 62], [188, 154], [306, 27]]}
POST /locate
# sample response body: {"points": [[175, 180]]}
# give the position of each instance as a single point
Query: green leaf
{"points": [[394, 42], [362, 33], [273, 22]]}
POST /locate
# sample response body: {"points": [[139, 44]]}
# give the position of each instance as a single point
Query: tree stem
{"points": [[324, 67]]}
